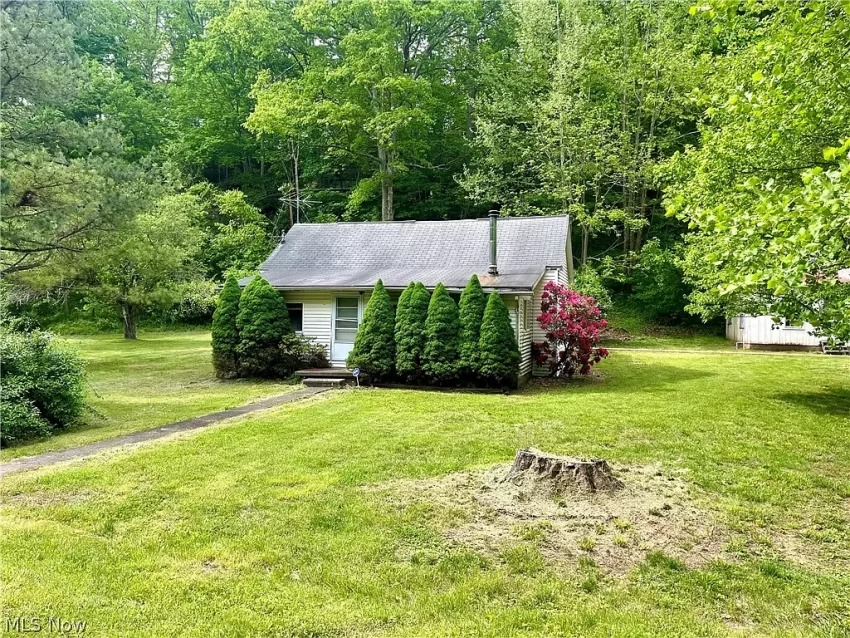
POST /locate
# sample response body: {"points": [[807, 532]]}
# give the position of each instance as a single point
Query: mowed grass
{"points": [[160, 378], [270, 526]]}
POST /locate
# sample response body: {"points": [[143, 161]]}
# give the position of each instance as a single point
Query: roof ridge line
{"points": [[426, 221]]}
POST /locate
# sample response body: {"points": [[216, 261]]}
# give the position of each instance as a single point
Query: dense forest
{"points": [[152, 147]]}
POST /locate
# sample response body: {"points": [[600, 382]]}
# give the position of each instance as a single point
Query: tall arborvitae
{"points": [[471, 310], [374, 345], [498, 351], [225, 336], [262, 322], [440, 360], [411, 315]]}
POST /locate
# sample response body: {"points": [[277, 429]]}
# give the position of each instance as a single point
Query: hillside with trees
{"points": [[152, 149]]}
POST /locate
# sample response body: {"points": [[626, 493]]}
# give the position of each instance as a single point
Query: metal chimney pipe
{"points": [[493, 269]]}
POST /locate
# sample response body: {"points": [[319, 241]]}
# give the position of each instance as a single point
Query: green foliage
{"points": [[563, 128], [378, 97], [298, 353], [374, 345], [43, 385], [588, 282], [471, 310], [155, 254], [499, 353], [658, 284], [262, 323], [236, 237], [411, 315], [441, 356], [67, 179], [225, 336], [767, 189]]}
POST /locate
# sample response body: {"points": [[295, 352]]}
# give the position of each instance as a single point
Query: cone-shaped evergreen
{"points": [[374, 345], [262, 322], [410, 320], [471, 310], [225, 336], [498, 351], [440, 360]]}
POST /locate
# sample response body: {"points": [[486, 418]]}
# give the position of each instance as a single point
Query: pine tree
{"points": [[471, 310], [225, 336], [262, 323], [442, 338], [374, 345], [411, 315], [498, 351]]}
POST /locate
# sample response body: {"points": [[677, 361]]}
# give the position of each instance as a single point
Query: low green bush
{"points": [[658, 282], [589, 283], [42, 385], [299, 353]]}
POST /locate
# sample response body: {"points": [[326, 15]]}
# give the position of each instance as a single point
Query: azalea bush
{"points": [[572, 323]]}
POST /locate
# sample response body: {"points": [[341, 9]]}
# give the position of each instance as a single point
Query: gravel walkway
{"points": [[85, 451]]}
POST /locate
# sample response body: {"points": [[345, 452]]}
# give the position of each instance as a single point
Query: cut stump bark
{"points": [[564, 473]]}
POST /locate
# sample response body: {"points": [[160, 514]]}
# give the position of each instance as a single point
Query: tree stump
{"points": [[565, 473]]}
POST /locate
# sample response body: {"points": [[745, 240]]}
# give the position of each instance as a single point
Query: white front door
{"points": [[346, 322]]}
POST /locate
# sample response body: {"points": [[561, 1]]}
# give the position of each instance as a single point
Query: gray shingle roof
{"points": [[356, 255]]}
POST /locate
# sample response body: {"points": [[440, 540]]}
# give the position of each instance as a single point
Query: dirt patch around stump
{"points": [[650, 512]]}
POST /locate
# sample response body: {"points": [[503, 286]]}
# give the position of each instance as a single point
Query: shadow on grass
{"points": [[833, 401], [639, 379]]}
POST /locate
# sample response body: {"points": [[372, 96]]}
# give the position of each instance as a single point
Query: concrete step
{"points": [[332, 373], [325, 382]]}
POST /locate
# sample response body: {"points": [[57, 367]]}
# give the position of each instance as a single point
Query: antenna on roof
{"points": [[296, 199]]}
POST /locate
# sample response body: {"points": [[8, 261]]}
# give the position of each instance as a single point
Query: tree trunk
{"points": [[129, 314], [386, 168], [295, 152], [585, 239], [564, 473]]}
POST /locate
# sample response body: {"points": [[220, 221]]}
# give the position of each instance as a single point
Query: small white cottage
{"points": [[326, 271]]}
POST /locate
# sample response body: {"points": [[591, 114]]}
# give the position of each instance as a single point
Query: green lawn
{"points": [[271, 525], [160, 378]]}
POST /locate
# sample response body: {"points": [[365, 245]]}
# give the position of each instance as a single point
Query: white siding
{"points": [[760, 330], [554, 274], [522, 330], [318, 313]]}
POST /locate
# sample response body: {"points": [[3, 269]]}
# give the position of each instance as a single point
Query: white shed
{"points": [[760, 331]]}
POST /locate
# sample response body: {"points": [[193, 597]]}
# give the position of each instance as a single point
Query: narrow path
{"points": [[84, 451]]}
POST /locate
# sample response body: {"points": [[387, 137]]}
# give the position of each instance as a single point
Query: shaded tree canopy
{"points": [[713, 134]]}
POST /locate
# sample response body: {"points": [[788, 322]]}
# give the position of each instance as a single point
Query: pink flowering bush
{"points": [[573, 324]]}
